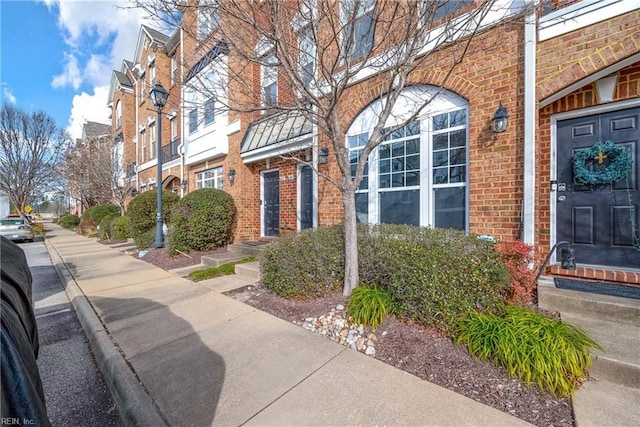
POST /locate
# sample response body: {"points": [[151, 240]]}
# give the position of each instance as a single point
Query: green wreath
{"points": [[618, 168]]}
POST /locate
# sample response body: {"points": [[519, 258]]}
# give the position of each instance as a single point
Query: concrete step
{"points": [[222, 258], [248, 248], [619, 361], [614, 309], [250, 270], [227, 283], [613, 322], [602, 403]]}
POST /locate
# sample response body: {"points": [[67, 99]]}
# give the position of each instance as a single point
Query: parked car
{"points": [[16, 229]]}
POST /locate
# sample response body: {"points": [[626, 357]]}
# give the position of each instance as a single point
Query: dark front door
{"points": [[271, 203], [601, 221], [306, 197]]}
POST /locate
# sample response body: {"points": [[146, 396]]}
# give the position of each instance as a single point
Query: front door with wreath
{"points": [[597, 197]]}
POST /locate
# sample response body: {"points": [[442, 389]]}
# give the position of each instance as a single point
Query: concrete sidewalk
{"points": [[177, 353]]}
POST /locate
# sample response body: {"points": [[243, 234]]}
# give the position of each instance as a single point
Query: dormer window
{"points": [[208, 19], [359, 23]]}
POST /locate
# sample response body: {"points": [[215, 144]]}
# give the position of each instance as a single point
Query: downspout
{"points": [[529, 172]]}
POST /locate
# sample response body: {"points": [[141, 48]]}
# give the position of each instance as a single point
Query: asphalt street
{"points": [[74, 389]]}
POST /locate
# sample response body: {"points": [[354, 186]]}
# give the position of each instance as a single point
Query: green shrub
{"points": [[97, 213], [538, 350], [120, 228], [104, 228], [369, 305], [434, 275], [146, 239], [69, 221], [307, 264], [202, 220], [142, 211]]}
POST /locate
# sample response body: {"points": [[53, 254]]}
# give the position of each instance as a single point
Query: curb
{"points": [[135, 406]]}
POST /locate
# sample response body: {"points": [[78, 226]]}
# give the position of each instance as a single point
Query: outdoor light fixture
{"points": [[159, 96], [500, 119], [183, 184], [568, 258], [231, 175], [323, 156]]}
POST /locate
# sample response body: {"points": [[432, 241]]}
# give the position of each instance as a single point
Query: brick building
{"points": [[567, 72]]}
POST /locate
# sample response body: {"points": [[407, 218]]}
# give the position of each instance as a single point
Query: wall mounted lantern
{"points": [[183, 184], [159, 96], [231, 175], [500, 119], [323, 156]]}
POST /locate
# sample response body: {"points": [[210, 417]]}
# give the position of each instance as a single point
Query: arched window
{"points": [[419, 174]]}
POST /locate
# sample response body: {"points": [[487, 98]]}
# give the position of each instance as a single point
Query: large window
{"points": [[208, 19], [358, 17], [307, 52], [211, 178], [209, 111], [270, 80], [152, 141], [193, 120], [143, 146], [418, 175]]}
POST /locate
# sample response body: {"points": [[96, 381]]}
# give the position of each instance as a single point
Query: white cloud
{"points": [[100, 34], [88, 108], [71, 74], [7, 94]]}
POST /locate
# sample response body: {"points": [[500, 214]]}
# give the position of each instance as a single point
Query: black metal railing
{"points": [[170, 151]]}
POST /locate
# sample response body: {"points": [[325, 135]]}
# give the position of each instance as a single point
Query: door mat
{"points": [[612, 289]]}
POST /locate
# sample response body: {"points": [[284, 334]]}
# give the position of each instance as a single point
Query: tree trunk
{"points": [[351, 273]]}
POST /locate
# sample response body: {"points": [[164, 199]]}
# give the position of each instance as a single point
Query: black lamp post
{"points": [[159, 97]]}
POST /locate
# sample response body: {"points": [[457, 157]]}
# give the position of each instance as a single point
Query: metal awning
{"points": [[287, 126]]}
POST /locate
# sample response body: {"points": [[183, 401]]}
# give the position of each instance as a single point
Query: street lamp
{"points": [[159, 97]]}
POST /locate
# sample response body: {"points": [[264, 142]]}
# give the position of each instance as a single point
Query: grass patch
{"points": [[223, 270]]}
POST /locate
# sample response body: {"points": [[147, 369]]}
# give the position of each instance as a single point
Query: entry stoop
{"points": [[234, 253], [613, 322], [611, 396]]}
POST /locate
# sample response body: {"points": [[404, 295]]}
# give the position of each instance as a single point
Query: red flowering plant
{"points": [[521, 262]]}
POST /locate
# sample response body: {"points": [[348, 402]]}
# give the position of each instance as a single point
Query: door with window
{"points": [[271, 203], [600, 221]]}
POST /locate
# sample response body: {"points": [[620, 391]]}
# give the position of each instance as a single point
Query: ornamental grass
{"points": [[534, 348], [369, 305]]}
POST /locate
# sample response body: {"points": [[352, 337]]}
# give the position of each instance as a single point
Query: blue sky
{"points": [[58, 56]]}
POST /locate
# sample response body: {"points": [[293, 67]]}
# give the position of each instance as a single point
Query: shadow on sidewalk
{"points": [[182, 374]]}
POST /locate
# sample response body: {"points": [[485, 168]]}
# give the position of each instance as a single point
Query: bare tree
{"points": [[318, 50], [95, 172], [31, 147]]}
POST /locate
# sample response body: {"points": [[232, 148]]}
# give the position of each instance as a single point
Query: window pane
{"points": [[450, 207], [413, 178], [457, 157], [440, 158], [441, 121], [397, 149], [362, 208], [412, 146], [385, 166], [457, 118], [440, 175], [440, 141], [413, 128], [385, 181], [400, 207], [458, 174], [384, 151], [397, 180], [413, 162], [458, 138]]}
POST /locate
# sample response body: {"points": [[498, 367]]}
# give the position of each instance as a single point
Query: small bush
{"points": [[538, 350], [434, 275], [142, 211], [519, 259], [369, 306], [202, 220], [307, 264], [97, 213], [146, 239], [120, 228], [105, 227], [69, 221]]}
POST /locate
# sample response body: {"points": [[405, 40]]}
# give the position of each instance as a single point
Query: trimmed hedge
{"points": [[120, 228], [433, 275], [97, 213], [142, 212], [202, 220]]}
